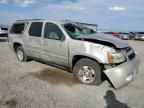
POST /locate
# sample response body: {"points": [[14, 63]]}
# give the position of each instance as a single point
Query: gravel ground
{"points": [[36, 85]]}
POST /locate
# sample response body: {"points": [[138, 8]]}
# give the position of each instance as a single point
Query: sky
{"points": [[107, 14]]}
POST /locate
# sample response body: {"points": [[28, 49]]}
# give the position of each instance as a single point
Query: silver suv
{"points": [[65, 44]]}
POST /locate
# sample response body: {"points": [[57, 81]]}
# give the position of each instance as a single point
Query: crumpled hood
{"points": [[107, 38]]}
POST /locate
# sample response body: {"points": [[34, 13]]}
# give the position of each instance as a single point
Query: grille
{"points": [[130, 53], [131, 56], [127, 49]]}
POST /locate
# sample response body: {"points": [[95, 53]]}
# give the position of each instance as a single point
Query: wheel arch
{"points": [[16, 45], [76, 58]]}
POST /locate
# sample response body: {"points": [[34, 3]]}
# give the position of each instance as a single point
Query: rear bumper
{"points": [[124, 73]]}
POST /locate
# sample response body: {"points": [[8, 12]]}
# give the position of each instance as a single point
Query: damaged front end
{"points": [[122, 67], [123, 62], [123, 73]]}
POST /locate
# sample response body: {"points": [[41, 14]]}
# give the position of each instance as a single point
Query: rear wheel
{"points": [[87, 71], [21, 54]]}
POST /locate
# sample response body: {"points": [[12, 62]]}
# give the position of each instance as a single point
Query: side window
{"points": [[52, 31], [18, 28], [35, 29]]}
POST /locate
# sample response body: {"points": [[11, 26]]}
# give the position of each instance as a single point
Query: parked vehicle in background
{"points": [[132, 35], [3, 31], [89, 55], [139, 36], [114, 34], [125, 36]]}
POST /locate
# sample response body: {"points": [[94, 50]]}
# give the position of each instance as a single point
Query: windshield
{"points": [[75, 30]]}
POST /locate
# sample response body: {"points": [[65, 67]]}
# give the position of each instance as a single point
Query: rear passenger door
{"points": [[55, 46], [33, 40]]}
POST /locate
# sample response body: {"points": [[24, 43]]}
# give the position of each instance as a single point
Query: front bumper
{"points": [[124, 73]]}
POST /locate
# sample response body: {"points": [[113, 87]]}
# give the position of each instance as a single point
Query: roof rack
{"points": [[29, 19]]}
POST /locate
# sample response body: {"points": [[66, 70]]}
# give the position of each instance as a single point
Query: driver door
{"points": [[55, 50]]}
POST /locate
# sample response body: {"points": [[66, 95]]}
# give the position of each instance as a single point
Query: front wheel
{"points": [[87, 71]]}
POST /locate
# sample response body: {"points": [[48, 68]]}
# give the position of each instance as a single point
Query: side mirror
{"points": [[22, 32], [63, 38]]}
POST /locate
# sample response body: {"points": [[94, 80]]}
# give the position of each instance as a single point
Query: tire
{"points": [[21, 56], [88, 71]]}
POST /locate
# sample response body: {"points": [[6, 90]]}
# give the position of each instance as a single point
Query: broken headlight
{"points": [[116, 57]]}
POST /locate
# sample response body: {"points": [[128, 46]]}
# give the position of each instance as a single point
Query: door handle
{"points": [[45, 43]]}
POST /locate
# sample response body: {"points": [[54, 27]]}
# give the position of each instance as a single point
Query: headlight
{"points": [[116, 57]]}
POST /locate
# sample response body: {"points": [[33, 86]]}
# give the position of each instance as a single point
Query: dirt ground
{"points": [[36, 85]]}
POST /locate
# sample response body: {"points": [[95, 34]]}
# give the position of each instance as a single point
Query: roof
{"points": [[58, 21], [30, 19]]}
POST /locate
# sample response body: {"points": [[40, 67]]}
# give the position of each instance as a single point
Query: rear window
{"points": [[17, 28]]}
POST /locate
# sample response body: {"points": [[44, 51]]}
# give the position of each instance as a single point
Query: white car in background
{"points": [[3, 31], [139, 36], [125, 36]]}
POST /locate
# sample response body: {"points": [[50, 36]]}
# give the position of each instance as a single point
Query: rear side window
{"points": [[17, 28], [35, 29]]}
